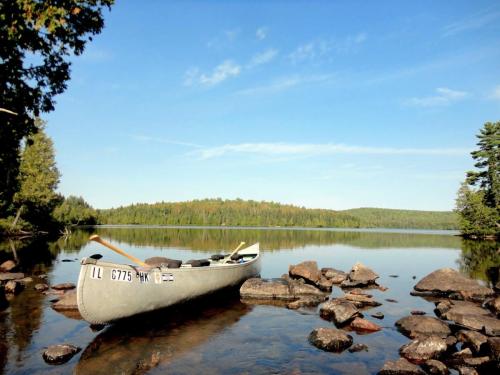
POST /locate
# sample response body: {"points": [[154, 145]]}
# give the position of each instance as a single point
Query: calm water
{"points": [[223, 335]]}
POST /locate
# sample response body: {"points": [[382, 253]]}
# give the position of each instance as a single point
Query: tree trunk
{"points": [[18, 215]]}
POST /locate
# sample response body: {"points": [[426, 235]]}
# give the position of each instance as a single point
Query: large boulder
{"points": [[340, 312], [472, 339], [360, 275], [400, 367], [446, 281], [414, 326], [59, 354], [423, 349], [306, 270], [330, 339]]}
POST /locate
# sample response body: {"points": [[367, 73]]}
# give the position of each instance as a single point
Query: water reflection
{"points": [[478, 257], [135, 346]]}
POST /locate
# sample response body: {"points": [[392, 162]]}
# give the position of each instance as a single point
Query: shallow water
{"points": [[222, 335]]}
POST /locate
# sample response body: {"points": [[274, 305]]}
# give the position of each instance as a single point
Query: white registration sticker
{"points": [[121, 275], [96, 272]]}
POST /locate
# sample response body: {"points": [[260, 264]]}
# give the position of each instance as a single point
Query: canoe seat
{"points": [[217, 257], [161, 261], [198, 262]]}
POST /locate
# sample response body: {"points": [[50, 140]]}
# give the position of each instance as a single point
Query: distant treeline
{"points": [[252, 213]]}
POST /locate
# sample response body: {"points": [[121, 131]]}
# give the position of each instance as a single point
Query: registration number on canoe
{"points": [[121, 275]]}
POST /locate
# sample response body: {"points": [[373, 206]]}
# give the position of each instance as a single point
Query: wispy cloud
{"points": [[286, 83], [318, 49], [444, 96], [474, 22], [495, 93], [261, 33], [224, 39], [309, 149], [220, 73], [263, 57]]}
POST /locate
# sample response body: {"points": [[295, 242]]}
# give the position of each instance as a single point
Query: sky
{"points": [[321, 104]]}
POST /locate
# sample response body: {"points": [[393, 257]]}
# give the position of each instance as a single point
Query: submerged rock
{"points": [[416, 325], [307, 270], [423, 349], [64, 286], [339, 311], [446, 281], [363, 325], [59, 354], [378, 315], [358, 348], [400, 367], [330, 339]]}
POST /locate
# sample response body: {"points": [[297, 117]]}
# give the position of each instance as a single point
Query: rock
{"points": [[378, 315], [415, 325], [67, 260], [8, 266], [307, 270], [363, 325], [41, 287], [266, 289], [300, 290], [493, 348], [59, 354], [472, 339], [447, 280], [64, 286], [330, 339], [304, 302], [382, 288], [391, 300], [360, 300], [13, 287], [66, 302], [26, 280], [435, 367], [335, 276], [358, 348], [394, 276], [464, 353], [400, 367], [325, 284], [417, 312], [6, 276], [451, 341], [360, 275], [339, 311], [467, 371], [494, 306], [469, 315], [359, 292], [423, 349]]}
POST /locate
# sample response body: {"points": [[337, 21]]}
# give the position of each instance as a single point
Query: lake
{"points": [[222, 335]]}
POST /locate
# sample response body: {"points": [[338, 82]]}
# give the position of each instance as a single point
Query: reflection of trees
{"points": [[213, 239], [73, 242], [477, 257]]}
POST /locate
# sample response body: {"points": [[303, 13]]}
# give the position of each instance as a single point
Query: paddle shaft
{"points": [[98, 239], [235, 251]]}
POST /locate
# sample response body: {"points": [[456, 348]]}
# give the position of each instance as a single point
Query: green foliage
{"points": [[38, 179], [75, 211], [37, 39], [225, 212], [252, 213], [389, 218], [479, 208]]}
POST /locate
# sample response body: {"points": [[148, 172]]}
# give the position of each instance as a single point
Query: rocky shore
{"points": [[464, 334]]}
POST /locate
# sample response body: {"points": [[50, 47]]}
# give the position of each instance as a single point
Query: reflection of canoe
{"points": [[109, 291], [137, 345]]}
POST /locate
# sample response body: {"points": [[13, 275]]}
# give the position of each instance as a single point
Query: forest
{"points": [[252, 213]]}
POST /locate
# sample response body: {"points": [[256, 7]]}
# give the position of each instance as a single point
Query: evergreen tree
{"points": [[38, 179], [479, 207]]}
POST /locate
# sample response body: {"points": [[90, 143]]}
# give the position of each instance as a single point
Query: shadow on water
{"points": [[137, 345]]}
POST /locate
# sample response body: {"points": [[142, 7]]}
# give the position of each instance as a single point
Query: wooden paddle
{"points": [[98, 239], [234, 252]]}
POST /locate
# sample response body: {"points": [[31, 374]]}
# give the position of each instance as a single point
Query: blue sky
{"points": [[325, 104]]}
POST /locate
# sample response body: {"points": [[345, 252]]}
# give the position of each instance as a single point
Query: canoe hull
{"points": [[108, 291]]}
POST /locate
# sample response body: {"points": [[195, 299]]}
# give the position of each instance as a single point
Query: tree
{"points": [[75, 211], [37, 38], [38, 178], [488, 162], [478, 201]]}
